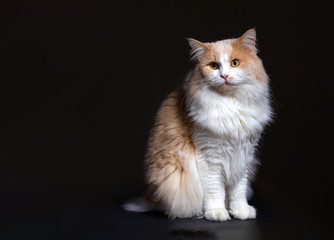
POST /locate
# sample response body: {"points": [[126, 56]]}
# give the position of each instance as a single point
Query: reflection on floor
{"points": [[95, 216]]}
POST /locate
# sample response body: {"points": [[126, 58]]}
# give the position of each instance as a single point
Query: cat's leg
{"points": [[239, 207], [214, 192]]}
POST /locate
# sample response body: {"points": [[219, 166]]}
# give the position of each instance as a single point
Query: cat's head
{"points": [[229, 64]]}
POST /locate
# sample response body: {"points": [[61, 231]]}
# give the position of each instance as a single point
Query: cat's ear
{"points": [[197, 48], [248, 41]]}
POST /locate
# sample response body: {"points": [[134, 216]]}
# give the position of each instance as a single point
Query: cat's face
{"points": [[228, 64]]}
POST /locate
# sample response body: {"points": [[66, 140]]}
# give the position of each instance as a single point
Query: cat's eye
{"points": [[214, 66], [235, 62]]}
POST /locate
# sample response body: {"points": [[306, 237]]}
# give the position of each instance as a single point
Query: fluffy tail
{"points": [[139, 204]]}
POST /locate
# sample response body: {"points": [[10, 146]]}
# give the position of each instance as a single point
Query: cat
{"points": [[201, 150]]}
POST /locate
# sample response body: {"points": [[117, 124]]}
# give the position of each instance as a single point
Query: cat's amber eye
{"points": [[235, 62], [214, 66]]}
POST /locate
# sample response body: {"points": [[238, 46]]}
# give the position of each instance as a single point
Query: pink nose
{"points": [[225, 76]]}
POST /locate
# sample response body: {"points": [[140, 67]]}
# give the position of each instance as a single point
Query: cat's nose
{"points": [[225, 76]]}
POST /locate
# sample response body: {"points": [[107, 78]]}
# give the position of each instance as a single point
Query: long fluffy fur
{"points": [[171, 161], [201, 151]]}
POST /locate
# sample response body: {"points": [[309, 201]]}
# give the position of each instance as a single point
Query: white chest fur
{"points": [[227, 128], [231, 117]]}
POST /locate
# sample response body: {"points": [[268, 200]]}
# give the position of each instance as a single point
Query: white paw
{"points": [[217, 214], [243, 212]]}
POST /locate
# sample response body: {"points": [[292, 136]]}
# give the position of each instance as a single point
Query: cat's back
{"points": [[172, 129]]}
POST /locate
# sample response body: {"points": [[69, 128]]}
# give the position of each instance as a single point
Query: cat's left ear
{"points": [[248, 41], [197, 48]]}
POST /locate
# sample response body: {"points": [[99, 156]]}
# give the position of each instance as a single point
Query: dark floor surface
{"points": [[98, 216]]}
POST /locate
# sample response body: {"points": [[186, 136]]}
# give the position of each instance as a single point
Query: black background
{"points": [[80, 85]]}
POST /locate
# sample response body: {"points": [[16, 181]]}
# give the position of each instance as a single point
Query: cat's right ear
{"points": [[197, 48]]}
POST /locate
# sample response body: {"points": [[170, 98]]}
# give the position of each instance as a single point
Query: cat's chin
{"points": [[226, 87]]}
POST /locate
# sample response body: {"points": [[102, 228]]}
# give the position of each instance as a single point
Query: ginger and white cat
{"points": [[201, 149]]}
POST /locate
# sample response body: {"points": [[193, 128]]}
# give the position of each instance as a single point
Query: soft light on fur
{"points": [[201, 150]]}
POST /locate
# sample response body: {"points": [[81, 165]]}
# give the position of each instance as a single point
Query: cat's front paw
{"points": [[217, 214], [243, 212]]}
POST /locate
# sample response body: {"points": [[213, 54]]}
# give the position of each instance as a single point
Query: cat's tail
{"points": [[139, 204]]}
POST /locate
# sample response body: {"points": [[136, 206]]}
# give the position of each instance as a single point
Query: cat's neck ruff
{"points": [[240, 114]]}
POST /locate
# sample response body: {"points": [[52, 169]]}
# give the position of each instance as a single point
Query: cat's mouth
{"points": [[227, 83], [225, 86]]}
